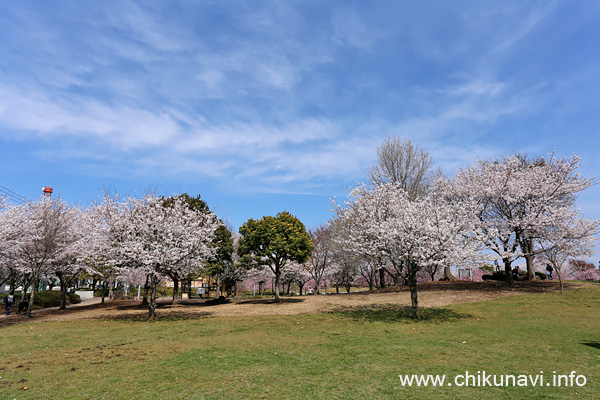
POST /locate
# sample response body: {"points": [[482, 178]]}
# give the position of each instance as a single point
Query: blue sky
{"points": [[265, 106]]}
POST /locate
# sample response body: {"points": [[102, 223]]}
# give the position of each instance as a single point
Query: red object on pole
{"points": [[47, 191]]}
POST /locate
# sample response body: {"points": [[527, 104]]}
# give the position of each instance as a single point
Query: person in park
{"points": [[23, 305], [8, 301], [549, 270], [515, 273]]}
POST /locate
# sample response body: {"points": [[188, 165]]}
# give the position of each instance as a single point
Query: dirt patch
{"points": [[435, 294]]}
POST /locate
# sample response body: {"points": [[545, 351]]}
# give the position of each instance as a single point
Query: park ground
{"points": [[322, 346]]}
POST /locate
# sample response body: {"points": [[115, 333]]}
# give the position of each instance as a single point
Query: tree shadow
{"points": [[393, 313], [142, 316], [270, 301], [595, 345]]}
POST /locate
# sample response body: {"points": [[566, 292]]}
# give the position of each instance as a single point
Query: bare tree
{"points": [[401, 162], [320, 260]]}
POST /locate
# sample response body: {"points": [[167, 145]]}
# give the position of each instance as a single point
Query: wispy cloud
{"points": [[277, 95]]}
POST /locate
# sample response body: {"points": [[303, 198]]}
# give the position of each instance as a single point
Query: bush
{"points": [[47, 298], [74, 298], [487, 268], [98, 293], [541, 275], [51, 298], [496, 276]]}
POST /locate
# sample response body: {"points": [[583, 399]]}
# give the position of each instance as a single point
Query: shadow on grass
{"points": [[595, 345], [270, 301], [142, 316], [392, 313], [168, 304]]}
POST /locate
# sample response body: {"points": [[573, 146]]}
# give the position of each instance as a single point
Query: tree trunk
{"points": [[152, 303], [529, 258], [432, 274], [562, 290], [103, 290], [146, 289], [317, 285], [63, 292], [25, 287], [337, 289], [31, 297], [527, 248], [111, 282], [448, 275], [277, 276], [175, 290], [381, 278], [508, 272], [414, 300]]}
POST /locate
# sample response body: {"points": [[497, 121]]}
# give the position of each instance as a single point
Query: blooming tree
{"points": [[574, 237], [300, 274], [11, 221], [257, 274], [159, 239], [384, 223], [46, 239], [520, 201], [80, 243]]}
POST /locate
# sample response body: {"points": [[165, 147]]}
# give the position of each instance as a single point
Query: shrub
{"points": [[98, 293], [496, 276], [74, 298], [487, 268], [47, 298], [541, 275], [51, 298]]}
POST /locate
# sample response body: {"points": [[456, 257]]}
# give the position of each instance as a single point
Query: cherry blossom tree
{"points": [[45, 239], [79, 246], [386, 223], [343, 272], [160, 240], [520, 200], [300, 274], [221, 242], [11, 223], [257, 275], [574, 238]]}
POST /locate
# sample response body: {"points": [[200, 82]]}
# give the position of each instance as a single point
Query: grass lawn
{"points": [[356, 354]]}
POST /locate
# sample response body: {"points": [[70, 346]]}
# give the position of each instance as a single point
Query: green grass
{"points": [[352, 355]]}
